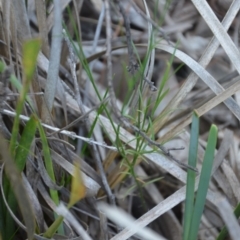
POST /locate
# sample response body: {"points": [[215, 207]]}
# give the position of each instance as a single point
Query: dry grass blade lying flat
{"points": [[202, 110], [115, 88], [204, 61], [219, 32], [231, 222]]}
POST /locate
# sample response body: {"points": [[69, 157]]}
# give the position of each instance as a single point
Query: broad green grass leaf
{"points": [[203, 183], [14, 176], [25, 142], [20, 160], [30, 52], [2, 66], [191, 175]]}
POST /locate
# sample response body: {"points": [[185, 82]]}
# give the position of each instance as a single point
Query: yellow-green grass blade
{"points": [[54, 227], [30, 52]]}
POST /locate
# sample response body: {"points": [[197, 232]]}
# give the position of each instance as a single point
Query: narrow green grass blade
{"points": [[49, 168], [203, 183], [164, 80], [30, 53], [25, 142], [158, 101], [99, 111], [18, 85], [84, 61], [47, 156], [78, 192], [191, 175]]}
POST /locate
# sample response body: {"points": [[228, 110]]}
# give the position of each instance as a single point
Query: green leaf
{"points": [[30, 52], [20, 160], [20, 193], [49, 168], [203, 183], [2, 66], [18, 85], [191, 175], [78, 191], [53, 228], [22, 152], [25, 142]]}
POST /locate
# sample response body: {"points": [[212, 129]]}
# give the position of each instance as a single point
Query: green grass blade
{"points": [[18, 85], [53, 228], [2, 205], [2, 218], [25, 142], [78, 192], [2, 66], [203, 183], [18, 188], [49, 168], [20, 160], [9, 222], [191, 175], [30, 53]]}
